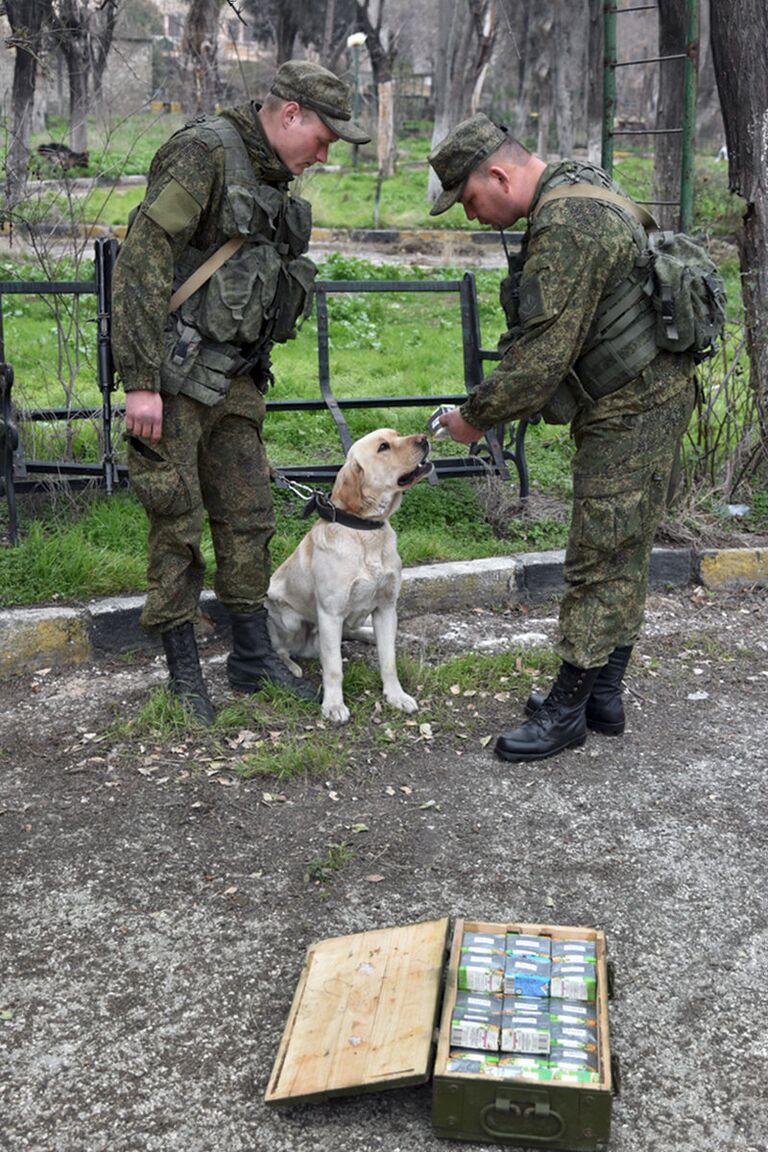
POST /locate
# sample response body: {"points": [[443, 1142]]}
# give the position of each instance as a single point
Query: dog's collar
{"points": [[319, 503]]}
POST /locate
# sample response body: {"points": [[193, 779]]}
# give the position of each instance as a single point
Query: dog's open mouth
{"points": [[417, 474]]}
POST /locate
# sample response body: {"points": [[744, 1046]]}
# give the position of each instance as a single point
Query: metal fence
{"points": [[503, 444]]}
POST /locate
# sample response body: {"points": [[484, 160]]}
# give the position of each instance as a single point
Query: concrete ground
{"points": [[156, 907]]}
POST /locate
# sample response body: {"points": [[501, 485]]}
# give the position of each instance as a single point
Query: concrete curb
{"points": [[35, 638]]}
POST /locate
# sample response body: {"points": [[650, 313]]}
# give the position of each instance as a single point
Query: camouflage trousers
{"points": [[209, 459], [625, 456]]}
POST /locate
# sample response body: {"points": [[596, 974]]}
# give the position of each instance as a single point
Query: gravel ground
{"points": [[156, 912]]}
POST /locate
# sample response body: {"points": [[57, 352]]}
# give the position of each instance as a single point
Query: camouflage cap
{"points": [[315, 87], [457, 156]]}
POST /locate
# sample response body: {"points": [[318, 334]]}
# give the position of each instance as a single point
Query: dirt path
{"points": [[156, 908]]}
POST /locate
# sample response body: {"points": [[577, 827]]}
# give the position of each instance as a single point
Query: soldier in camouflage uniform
{"points": [[195, 380], [575, 356]]}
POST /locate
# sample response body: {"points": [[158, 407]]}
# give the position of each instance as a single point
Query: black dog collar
{"points": [[319, 503]]}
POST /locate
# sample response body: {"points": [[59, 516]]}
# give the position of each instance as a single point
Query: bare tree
{"points": [[382, 50], [83, 35], [199, 60], [28, 20], [740, 57], [464, 51]]}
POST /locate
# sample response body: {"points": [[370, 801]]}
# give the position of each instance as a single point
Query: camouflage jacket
{"points": [[574, 252], [186, 186]]}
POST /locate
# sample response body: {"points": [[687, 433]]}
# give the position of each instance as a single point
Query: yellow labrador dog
{"points": [[347, 568]]}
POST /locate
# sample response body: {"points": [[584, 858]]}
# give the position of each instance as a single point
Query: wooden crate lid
{"points": [[363, 1015]]}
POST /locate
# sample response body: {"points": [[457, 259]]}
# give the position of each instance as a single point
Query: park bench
{"points": [[499, 446]]}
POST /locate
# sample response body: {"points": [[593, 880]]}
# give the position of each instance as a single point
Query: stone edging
{"points": [[35, 638]]}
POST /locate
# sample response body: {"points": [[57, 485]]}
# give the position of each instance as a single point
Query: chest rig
{"points": [[253, 300], [621, 341]]}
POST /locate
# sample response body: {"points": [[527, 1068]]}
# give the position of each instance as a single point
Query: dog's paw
{"points": [[336, 713], [402, 700]]}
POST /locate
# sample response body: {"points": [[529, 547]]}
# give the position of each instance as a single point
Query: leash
{"points": [[318, 503]]}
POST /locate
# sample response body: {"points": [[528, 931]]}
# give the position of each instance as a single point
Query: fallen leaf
{"points": [[485, 740], [230, 891], [406, 788], [273, 797], [455, 689], [549, 902], [425, 730], [389, 790], [359, 828], [225, 781], [374, 878], [389, 734], [429, 804]]}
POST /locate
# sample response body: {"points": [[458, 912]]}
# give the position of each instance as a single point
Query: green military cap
{"points": [[315, 87], [456, 157]]}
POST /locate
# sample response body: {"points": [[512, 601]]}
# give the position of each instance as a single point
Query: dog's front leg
{"points": [[385, 630], [329, 629]]}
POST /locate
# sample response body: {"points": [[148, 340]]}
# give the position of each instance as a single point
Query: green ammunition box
{"points": [[364, 1018]]}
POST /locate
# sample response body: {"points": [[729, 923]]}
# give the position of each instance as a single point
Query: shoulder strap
{"points": [[204, 272], [594, 192]]}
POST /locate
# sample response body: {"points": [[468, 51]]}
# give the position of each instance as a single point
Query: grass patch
{"points": [[322, 868]]}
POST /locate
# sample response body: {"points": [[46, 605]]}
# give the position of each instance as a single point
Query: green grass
{"points": [[387, 344]]}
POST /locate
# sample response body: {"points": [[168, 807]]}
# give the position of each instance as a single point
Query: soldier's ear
{"points": [[499, 175], [290, 112]]}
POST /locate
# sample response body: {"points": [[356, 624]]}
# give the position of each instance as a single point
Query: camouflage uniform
{"points": [[210, 456], [574, 253]]}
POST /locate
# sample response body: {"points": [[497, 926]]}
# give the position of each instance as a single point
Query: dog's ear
{"points": [[348, 489]]}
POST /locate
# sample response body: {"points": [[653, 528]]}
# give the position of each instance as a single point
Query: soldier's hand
{"points": [[459, 429], [144, 414]]}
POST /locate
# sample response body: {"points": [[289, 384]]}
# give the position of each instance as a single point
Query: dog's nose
{"points": [[423, 442]]}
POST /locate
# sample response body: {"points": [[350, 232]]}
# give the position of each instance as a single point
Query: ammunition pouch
{"points": [[622, 340]]}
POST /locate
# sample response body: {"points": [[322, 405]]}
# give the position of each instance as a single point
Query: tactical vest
{"points": [[257, 297], [621, 341]]}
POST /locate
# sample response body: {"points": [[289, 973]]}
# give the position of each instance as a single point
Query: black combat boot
{"points": [[560, 722], [253, 662], [186, 681], [605, 708]]}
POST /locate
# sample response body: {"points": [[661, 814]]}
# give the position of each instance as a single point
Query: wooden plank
{"points": [[363, 1014]]}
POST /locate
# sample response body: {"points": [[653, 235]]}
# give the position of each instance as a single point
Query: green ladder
{"points": [[611, 11]]}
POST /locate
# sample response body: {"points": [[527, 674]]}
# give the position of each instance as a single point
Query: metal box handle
{"points": [[539, 1111]]}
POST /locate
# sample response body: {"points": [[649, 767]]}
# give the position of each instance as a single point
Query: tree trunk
{"points": [[571, 29], [199, 56], [326, 50], [536, 92], [26, 20], [385, 139], [287, 31], [595, 82], [741, 68], [463, 51], [78, 102], [669, 113], [100, 43]]}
